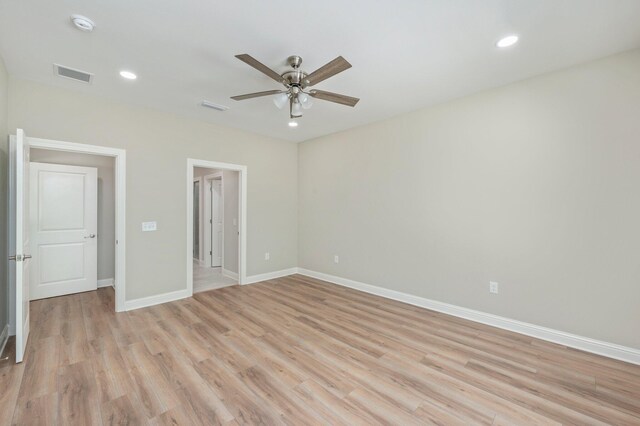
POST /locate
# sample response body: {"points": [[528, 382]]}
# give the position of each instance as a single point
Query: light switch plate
{"points": [[149, 226]]}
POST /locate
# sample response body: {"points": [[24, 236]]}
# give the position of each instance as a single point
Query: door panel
{"points": [[19, 242], [64, 227], [54, 215], [61, 262]]}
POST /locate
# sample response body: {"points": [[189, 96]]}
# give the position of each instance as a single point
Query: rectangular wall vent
{"points": [[217, 107], [77, 75]]}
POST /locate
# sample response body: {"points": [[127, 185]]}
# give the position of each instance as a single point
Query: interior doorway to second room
{"points": [[72, 226], [215, 228]]}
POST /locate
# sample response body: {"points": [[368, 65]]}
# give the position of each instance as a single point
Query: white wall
{"points": [[106, 200], [158, 145], [534, 185], [4, 149]]}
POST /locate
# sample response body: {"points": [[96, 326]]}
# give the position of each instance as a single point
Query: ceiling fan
{"points": [[297, 83]]}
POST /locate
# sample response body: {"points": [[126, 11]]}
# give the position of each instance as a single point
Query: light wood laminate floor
{"points": [[298, 351]]}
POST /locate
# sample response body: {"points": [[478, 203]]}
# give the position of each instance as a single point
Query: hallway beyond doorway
{"points": [[207, 278]]}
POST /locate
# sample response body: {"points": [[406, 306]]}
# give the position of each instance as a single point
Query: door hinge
{"points": [[210, 253]]}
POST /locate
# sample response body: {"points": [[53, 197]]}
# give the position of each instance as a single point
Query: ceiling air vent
{"points": [[77, 75], [217, 107]]}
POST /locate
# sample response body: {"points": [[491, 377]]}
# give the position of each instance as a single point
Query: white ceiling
{"points": [[405, 54]]}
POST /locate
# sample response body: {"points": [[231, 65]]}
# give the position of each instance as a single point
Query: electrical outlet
{"points": [[149, 226], [493, 287], [336, 259], [267, 256]]}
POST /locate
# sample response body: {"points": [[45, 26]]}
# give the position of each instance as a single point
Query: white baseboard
{"points": [[230, 274], [107, 282], [4, 336], [586, 344], [270, 275], [143, 302]]}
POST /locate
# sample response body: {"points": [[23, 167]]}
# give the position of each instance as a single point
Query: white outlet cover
{"points": [[267, 256], [149, 226], [336, 259], [493, 287]]}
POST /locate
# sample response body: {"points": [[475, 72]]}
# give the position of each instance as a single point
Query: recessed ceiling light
{"points": [[82, 23], [293, 124], [128, 75], [507, 41]]}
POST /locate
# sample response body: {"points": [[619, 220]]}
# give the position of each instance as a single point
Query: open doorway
{"points": [[216, 224], [72, 222], [215, 228], [21, 251]]}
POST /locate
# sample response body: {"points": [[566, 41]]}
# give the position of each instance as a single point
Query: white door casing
{"points": [[63, 220], [19, 244]]}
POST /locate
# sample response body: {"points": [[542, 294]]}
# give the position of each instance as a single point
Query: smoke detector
{"points": [[82, 23]]}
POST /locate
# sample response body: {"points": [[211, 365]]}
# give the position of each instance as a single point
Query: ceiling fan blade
{"points": [[256, 95], [253, 62], [334, 67], [334, 97]]}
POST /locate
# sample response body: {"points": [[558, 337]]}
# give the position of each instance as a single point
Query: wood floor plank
{"points": [[296, 350], [10, 378], [121, 411], [41, 410], [78, 401], [245, 405]]}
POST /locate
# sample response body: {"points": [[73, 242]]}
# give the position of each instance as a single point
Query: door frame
{"points": [[208, 226], [242, 225], [119, 156]]}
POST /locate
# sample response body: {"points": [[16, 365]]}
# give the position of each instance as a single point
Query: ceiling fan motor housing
{"points": [[296, 77]]}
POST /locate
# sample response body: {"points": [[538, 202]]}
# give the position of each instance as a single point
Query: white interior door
{"points": [[64, 223], [19, 244], [216, 223]]}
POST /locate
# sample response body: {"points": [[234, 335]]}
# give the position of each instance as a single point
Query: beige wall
{"points": [[4, 148], [158, 145], [106, 200], [534, 185]]}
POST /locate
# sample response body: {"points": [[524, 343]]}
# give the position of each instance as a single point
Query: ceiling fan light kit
{"points": [[297, 82]]}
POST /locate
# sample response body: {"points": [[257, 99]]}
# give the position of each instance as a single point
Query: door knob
{"points": [[91, 236], [20, 257]]}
